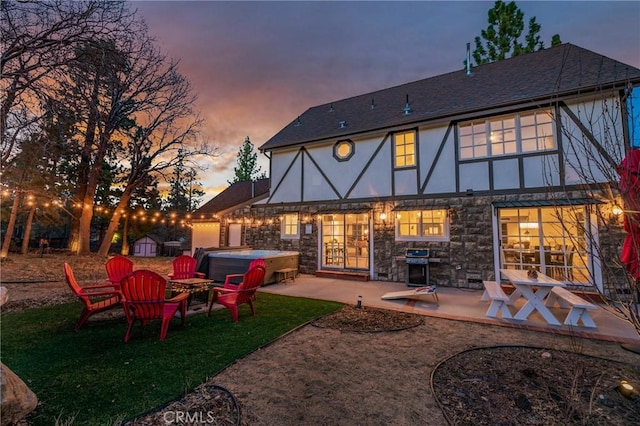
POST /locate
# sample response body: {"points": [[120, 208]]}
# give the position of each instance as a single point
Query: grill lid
{"points": [[417, 253]]}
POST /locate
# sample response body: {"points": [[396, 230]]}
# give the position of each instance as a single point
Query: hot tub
{"points": [[222, 263]]}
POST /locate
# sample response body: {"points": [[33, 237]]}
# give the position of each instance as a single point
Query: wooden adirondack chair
{"points": [[184, 266], [144, 300], [96, 298], [244, 293], [117, 268]]}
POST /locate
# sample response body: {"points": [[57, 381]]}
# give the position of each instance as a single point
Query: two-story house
{"points": [[504, 165]]}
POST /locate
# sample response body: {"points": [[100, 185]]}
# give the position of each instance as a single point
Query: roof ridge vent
{"points": [[407, 107], [342, 124]]}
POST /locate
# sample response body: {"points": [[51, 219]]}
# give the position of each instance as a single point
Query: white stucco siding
{"points": [[376, 180], [443, 178], [582, 161], [287, 187], [506, 174], [205, 234], [280, 161], [474, 176], [343, 174], [430, 140], [405, 182], [316, 187]]}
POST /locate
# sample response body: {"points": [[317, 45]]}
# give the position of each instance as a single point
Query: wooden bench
{"points": [[283, 274], [578, 306], [493, 291]]}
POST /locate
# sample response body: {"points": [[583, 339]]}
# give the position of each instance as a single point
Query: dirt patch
{"points": [[338, 373], [208, 404], [529, 386], [368, 320]]}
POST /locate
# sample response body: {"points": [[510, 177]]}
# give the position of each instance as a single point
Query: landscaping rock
{"points": [[16, 399], [4, 295]]}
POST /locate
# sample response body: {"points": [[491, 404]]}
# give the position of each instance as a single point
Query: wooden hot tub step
{"points": [[343, 275]]}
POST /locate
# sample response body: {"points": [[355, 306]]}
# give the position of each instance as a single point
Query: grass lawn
{"points": [[93, 378]]}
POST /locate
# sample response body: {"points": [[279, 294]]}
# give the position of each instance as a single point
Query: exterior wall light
{"points": [[616, 210]]}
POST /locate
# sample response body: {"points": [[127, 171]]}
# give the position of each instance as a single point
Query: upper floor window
{"points": [[426, 225], [405, 149], [290, 226], [343, 150], [513, 134], [633, 116]]}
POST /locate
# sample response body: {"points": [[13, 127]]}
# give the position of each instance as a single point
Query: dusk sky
{"points": [[256, 66]]}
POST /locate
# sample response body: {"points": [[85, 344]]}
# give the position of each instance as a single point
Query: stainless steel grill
{"points": [[417, 273]]}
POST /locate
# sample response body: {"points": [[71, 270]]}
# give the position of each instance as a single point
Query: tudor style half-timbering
{"points": [[504, 166]]}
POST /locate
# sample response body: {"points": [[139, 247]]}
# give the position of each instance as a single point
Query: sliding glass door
{"points": [[345, 240]]}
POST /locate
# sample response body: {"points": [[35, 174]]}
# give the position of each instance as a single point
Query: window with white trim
{"points": [[553, 240], [507, 135], [422, 225], [405, 149], [290, 226]]}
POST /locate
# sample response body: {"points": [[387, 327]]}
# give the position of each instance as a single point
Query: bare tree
{"points": [[38, 40], [167, 137], [115, 87], [592, 154]]}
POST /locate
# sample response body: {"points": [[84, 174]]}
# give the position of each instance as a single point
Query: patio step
{"points": [[343, 275]]}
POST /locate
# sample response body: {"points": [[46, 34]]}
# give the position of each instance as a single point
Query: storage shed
{"points": [[147, 246]]}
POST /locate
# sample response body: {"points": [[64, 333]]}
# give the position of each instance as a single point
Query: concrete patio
{"points": [[455, 304]]}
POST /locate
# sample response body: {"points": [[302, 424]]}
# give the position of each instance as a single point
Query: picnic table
{"points": [[534, 290]]}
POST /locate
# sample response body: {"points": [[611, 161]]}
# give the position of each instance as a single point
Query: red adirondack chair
{"points": [[117, 268], [232, 281], [184, 266], [144, 300], [244, 293], [96, 298]]}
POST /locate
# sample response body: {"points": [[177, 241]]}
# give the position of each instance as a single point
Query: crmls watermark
{"points": [[189, 417]]}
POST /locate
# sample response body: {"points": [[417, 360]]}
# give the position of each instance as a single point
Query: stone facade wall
{"points": [[466, 259]]}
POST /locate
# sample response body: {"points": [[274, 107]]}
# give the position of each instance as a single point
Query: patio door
{"points": [[345, 241]]}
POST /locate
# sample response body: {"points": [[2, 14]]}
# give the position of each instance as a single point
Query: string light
{"points": [[101, 210], [154, 216]]}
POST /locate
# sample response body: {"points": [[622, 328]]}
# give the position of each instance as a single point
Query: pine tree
{"points": [[186, 191], [247, 169], [501, 39]]}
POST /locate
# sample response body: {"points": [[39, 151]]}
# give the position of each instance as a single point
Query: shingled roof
{"points": [[236, 195], [549, 73]]}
